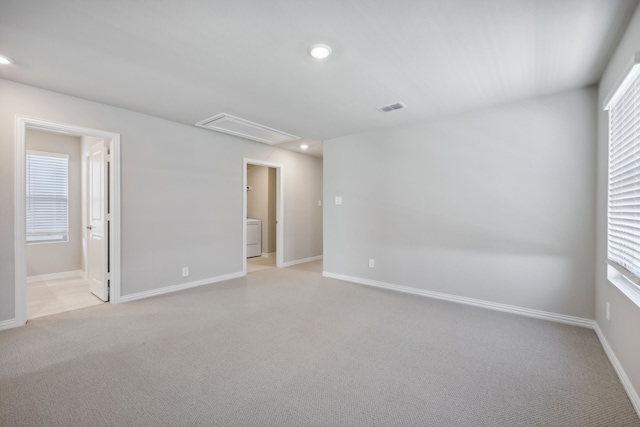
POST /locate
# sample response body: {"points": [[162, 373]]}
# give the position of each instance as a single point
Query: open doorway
{"points": [[67, 218], [262, 216], [57, 204]]}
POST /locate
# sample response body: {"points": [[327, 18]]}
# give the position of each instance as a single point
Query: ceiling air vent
{"points": [[391, 107], [227, 123]]}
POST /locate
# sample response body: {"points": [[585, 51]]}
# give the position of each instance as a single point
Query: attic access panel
{"points": [[236, 126]]}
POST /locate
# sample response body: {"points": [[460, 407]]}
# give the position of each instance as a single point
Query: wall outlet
{"points": [[338, 200], [185, 271], [608, 310], [372, 263]]}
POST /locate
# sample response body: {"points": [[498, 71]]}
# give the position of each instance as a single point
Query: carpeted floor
{"points": [[286, 347]]}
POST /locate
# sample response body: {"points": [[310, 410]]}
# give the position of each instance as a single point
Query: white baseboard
{"points": [[268, 254], [301, 261], [56, 276], [8, 324], [626, 382], [571, 320], [179, 287]]}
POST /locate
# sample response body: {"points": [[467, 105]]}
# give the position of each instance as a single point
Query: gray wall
{"points": [[621, 332], [261, 202], [46, 258], [182, 192], [496, 205]]}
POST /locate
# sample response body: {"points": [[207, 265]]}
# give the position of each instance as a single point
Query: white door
{"points": [[97, 238]]}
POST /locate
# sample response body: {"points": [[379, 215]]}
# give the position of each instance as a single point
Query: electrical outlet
{"points": [[185, 271], [372, 263], [338, 200], [608, 311]]}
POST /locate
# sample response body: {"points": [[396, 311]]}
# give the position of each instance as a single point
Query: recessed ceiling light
{"points": [[320, 51], [304, 146], [4, 60]]}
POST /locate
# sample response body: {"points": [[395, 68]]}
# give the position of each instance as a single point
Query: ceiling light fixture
{"points": [[5, 61], [320, 51], [304, 146]]}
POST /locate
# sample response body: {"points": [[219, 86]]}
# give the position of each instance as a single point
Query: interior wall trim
{"points": [[523, 311], [626, 382], [8, 324], [178, 287]]}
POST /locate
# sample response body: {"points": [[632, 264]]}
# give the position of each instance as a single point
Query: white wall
{"points": [[182, 192], [621, 332], [496, 205], [47, 258]]}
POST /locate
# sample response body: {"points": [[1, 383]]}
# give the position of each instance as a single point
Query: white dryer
{"points": [[254, 237]]}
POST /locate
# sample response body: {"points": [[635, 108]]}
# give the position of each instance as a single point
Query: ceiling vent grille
{"points": [[236, 126], [392, 107]]}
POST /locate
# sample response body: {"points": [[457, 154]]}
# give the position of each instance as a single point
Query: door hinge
{"points": [[109, 218], [108, 276]]}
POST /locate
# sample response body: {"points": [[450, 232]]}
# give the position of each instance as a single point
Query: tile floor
{"points": [[57, 296], [260, 263]]}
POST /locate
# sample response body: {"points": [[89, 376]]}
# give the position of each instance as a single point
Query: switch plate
{"points": [[372, 263], [608, 311], [338, 200], [319, 202], [185, 271]]}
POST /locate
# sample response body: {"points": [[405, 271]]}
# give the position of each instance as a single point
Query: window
{"points": [[623, 215], [47, 186]]}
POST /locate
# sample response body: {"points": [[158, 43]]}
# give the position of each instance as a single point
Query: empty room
{"points": [[319, 213]]}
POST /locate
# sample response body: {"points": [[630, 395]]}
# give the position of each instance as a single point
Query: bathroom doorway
{"points": [[67, 229]]}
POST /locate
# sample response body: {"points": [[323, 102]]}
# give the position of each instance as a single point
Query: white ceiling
{"points": [[192, 59]]}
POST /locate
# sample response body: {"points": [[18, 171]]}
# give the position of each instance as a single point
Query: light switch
{"points": [[319, 202], [338, 200]]}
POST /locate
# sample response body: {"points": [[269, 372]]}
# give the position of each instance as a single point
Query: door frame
{"points": [[279, 210], [112, 140]]}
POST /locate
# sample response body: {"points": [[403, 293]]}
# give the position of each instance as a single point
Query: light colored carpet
{"points": [[286, 347]]}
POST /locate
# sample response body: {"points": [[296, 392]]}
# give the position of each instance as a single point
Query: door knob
{"points": [[89, 227]]}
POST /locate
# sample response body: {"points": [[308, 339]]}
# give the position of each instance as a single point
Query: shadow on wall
{"points": [[495, 205]]}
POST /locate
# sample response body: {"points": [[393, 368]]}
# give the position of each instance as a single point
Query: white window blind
{"points": [[624, 178], [47, 183]]}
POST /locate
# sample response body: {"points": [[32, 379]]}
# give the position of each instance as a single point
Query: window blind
{"points": [[624, 179], [47, 184]]}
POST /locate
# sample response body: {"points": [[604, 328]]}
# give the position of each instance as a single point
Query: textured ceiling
{"points": [[188, 60]]}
